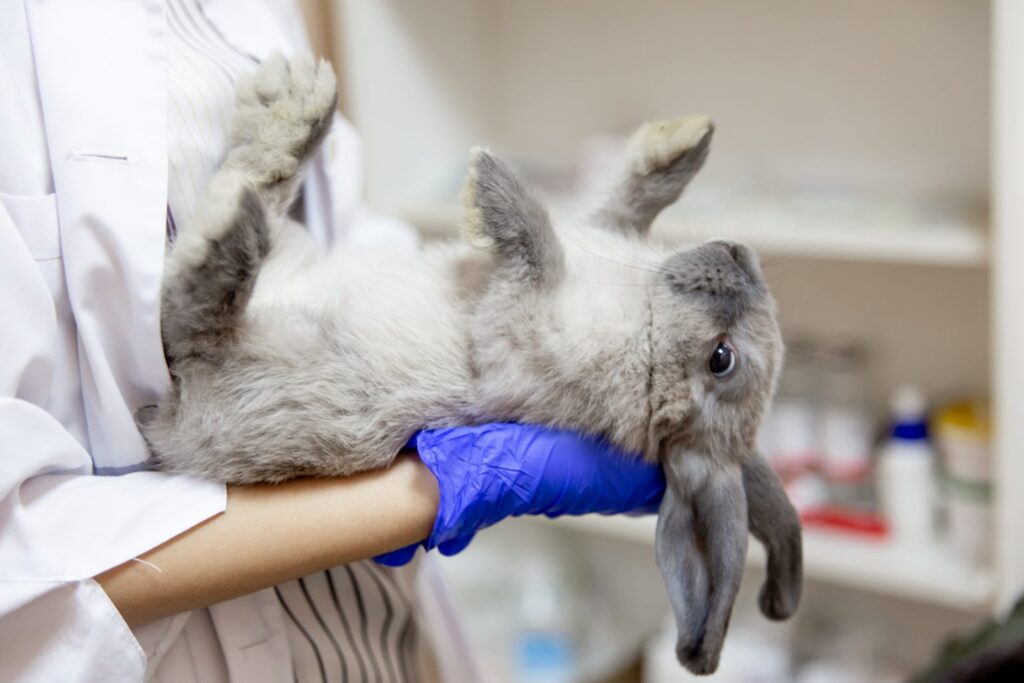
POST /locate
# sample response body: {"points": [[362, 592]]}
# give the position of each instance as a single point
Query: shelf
{"points": [[925, 574], [954, 247], [800, 231], [840, 231]]}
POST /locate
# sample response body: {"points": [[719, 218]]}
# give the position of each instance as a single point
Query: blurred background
{"points": [[860, 147]]}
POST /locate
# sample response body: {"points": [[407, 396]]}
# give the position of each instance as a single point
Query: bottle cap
{"points": [[907, 404], [909, 413]]}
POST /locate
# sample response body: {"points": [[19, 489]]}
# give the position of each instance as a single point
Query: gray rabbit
{"points": [[290, 362]]}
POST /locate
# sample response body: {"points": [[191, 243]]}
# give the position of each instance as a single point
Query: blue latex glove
{"points": [[488, 473]]}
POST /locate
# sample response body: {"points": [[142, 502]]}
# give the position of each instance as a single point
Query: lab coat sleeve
{"points": [[60, 525]]}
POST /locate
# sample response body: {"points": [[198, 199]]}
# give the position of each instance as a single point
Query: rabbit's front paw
{"points": [[283, 111], [659, 146]]}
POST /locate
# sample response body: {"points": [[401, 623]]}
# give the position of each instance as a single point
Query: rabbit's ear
{"points": [[663, 157], [774, 522], [502, 215], [701, 547]]}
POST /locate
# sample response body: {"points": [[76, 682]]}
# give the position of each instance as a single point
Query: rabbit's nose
{"points": [[742, 255], [723, 270], [731, 248]]}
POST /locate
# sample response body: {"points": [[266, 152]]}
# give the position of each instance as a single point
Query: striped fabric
{"points": [[201, 71], [352, 623]]}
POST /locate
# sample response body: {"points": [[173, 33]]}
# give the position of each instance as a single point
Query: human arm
{"points": [[270, 534], [473, 478], [494, 471], [273, 533]]}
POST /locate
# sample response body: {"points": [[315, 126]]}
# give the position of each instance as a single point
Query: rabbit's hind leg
{"points": [[283, 110], [211, 271], [663, 158]]}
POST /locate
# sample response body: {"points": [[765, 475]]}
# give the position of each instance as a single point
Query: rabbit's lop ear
{"points": [[774, 522], [663, 157], [701, 547], [503, 216]]}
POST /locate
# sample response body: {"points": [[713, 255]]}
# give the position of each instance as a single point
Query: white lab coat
{"points": [[83, 197]]}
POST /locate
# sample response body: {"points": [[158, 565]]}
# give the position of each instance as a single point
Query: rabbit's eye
{"points": [[722, 361]]}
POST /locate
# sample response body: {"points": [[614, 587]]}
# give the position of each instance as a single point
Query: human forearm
{"points": [[270, 534]]}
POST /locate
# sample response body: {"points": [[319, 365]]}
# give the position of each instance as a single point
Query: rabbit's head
{"points": [[716, 351], [678, 357]]}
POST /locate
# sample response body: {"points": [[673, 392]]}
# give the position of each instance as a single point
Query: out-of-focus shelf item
{"points": [[798, 229], [928, 573]]}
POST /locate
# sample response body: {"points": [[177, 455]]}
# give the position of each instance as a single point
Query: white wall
{"points": [[882, 96], [863, 95], [874, 96], [412, 87]]}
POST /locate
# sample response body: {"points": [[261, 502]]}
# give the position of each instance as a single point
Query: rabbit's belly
{"points": [[386, 345]]}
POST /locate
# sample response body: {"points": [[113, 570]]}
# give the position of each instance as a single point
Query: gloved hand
{"points": [[488, 473]]}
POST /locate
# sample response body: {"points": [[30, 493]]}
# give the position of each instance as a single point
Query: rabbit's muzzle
{"points": [[726, 276]]}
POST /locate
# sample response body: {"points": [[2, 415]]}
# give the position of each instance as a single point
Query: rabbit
{"points": [[288, 362]]}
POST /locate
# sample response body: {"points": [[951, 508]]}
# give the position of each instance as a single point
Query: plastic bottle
{"points": [[906, 470], [544, 652], [963, 440]]}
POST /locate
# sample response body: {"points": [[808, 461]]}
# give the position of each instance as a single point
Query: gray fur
{"points": [[679, 555], [722, 521], [510, 220], [325, 364], [725, 272], [774, 522], [658, 177], [297, 98], [701, 545], [203, 311]]}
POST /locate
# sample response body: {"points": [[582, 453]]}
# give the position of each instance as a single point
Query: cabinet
{"points": [[872, 151]]}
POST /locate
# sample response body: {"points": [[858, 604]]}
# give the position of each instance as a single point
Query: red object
{"points": [[845, 519]]}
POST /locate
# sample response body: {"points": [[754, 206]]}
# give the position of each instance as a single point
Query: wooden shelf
{"points": [[801, 234], [927, 574]]}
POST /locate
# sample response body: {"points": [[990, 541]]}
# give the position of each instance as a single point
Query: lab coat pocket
{"points": [[35, 218]]}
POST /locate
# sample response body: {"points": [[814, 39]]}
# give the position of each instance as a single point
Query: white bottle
{"points": [[906, 470], [544, 648]]}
